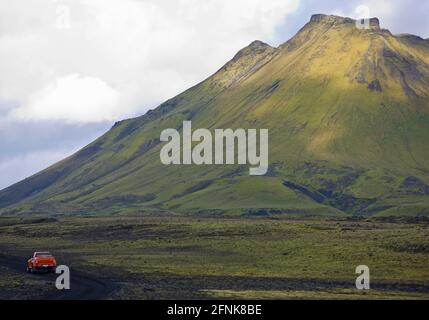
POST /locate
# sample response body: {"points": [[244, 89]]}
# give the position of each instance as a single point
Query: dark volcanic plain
{"points": [[179, 257]]}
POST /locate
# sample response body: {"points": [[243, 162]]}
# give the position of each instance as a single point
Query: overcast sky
{"points": [[70, 69]]}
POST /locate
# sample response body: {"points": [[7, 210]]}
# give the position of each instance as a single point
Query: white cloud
{"points": [[73, 99], [131, 54]]}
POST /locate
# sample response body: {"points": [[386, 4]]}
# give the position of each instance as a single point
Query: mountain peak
{"points": [[331, 19], [258, 43], [257, 47]]}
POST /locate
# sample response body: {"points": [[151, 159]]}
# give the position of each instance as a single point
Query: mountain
{"points": [[348, 116]]}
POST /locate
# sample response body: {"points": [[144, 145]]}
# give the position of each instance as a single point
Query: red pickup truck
{"points": [[41, 261]]}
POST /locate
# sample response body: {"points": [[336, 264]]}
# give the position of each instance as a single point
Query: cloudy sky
{"points": [[70, 69]]}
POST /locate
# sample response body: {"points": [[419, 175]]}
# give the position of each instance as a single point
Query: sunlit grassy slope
{"points": [[348, 118]]}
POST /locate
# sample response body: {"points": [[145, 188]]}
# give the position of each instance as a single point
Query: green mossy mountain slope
{"points": [[348, 117]]}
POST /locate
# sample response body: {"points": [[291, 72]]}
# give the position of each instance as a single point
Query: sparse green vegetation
{"points": [[188, 257]]}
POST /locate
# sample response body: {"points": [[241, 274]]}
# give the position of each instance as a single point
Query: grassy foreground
{"points": [[258, 258]]}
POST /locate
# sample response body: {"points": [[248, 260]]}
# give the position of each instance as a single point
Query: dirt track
{"points": [[82, 286], [85, 286]]}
